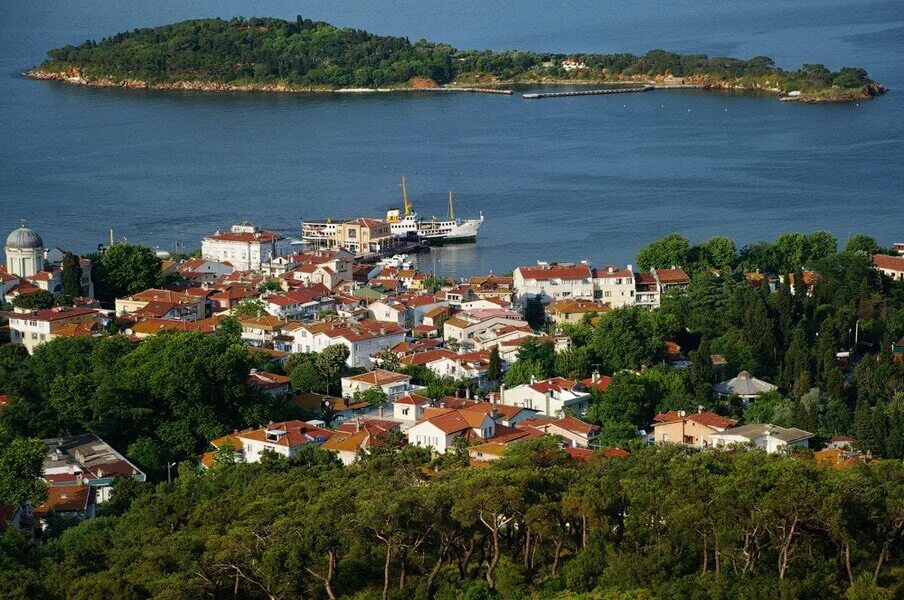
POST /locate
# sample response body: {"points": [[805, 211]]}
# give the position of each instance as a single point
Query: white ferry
{"points": [[452, 230]]}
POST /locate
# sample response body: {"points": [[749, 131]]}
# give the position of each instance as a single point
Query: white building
{"points": [[441, 427], [410, 408], [246, 247], [467, 326], [614, 286], [393, 385], [363, 339], [31, 329], [770, 438], [549, 397], [553, 282], [285, 439], [24, 252]]}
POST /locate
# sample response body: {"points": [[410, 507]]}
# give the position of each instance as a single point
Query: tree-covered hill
{"points": [[315, 55]]}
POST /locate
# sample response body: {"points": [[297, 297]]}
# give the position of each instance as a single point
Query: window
{"points": [[607, 294]]}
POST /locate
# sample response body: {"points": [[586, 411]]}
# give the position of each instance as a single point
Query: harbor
{"points": [[603, 92]]}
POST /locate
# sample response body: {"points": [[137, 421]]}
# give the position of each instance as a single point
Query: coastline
{"points": [[475, 85]]}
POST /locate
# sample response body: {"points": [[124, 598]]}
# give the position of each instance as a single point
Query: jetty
{"points": [[630, 90]]}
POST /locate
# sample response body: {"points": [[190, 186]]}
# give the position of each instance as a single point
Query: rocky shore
{"points": [[476, 84]]}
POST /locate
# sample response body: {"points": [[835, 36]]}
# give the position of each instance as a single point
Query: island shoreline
{"points": [[74, 77]]}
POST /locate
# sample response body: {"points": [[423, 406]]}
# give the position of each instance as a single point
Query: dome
{"points": [[24, 238]]}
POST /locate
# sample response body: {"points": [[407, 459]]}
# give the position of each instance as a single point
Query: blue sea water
{"points": [[561, 179]]}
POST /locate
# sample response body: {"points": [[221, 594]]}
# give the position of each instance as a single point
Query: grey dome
{"points": [[24, 238]]}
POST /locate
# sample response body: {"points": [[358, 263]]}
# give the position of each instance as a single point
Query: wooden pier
{"points": [[631, 90]]}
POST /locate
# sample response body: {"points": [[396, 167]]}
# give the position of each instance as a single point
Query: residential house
{"points": [[410, 407], [84, 460], [358, 437], [393, 385], [574, 311], [466, 325], [770, 438], [571, 430], [364, 236], [553, 282], [342, 409], [164, 304], [272, 384], [363, 339], [614, 286], [689, 429], [893, 266], [549, 397], [202, 270], [261, 331], [286, 439], [31, 329], [301, 303], [441, 427]]}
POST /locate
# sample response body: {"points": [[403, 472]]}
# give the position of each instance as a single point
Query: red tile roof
{"points": [[541, 273], [891, 263]]}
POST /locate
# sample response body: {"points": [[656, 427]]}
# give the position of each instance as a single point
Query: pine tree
{"points": [[868, 429], [494, 369], [72, 275]]}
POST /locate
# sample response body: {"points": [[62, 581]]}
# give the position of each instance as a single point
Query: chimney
{"points": [[699, 408], [682, 413], [533, 380], [502, 393], [631, 268], [595, 378], [548, 394], [357, 425], [468, 393]]}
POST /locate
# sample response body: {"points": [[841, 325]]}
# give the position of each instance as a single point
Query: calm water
{"points": [[577, 178]]}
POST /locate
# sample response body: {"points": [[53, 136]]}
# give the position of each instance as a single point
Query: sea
{"points": [[567, 179]]}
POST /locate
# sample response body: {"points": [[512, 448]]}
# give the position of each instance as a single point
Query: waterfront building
{"points": [[246, 247]]}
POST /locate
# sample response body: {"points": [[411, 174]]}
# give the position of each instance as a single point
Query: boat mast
{"points": [[451, 208], [406, 204]]}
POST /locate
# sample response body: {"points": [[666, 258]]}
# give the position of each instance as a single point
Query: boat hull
{"points": [[448, 241]]}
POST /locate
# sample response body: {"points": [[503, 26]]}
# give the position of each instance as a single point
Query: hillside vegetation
{"points": [[315, 55]]}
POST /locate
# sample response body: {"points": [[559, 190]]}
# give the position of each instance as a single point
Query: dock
{"points": [[631, 90], [472, 90]]}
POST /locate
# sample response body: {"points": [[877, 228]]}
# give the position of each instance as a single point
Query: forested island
{"points": [[267, 54]]}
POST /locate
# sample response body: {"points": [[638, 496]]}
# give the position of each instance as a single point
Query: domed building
{"points": [[24, 252]]}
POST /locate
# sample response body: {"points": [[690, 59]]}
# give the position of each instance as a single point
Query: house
{"points": [[549, 397], [466, 325], [300, 303], [285, 439], [261, 331], [571, 430], [410, 407], [509, 348], [364, 338], [164, 304], [442, 427], [230, 295], [770, 438], [389, 310], [246, 247], [272, 384], [614, 286], [744, 385], [202, 270], [148, 327], [88, 461], [492, 286], [649, 287], [31, 329], [690, 429], [553, 282], [893, 266], [573, 311], [393, 385], [72, 501], [600, 382], [358, 437], [573, 65], [472, 366]]}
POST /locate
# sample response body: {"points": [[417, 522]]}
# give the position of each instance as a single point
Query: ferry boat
{"points": [[452, 230]]}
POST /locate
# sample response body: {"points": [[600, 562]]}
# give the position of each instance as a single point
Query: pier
{"points": [[631, 90]]}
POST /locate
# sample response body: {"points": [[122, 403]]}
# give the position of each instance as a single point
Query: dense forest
{"points": [[314, 54], [662, 523]]}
